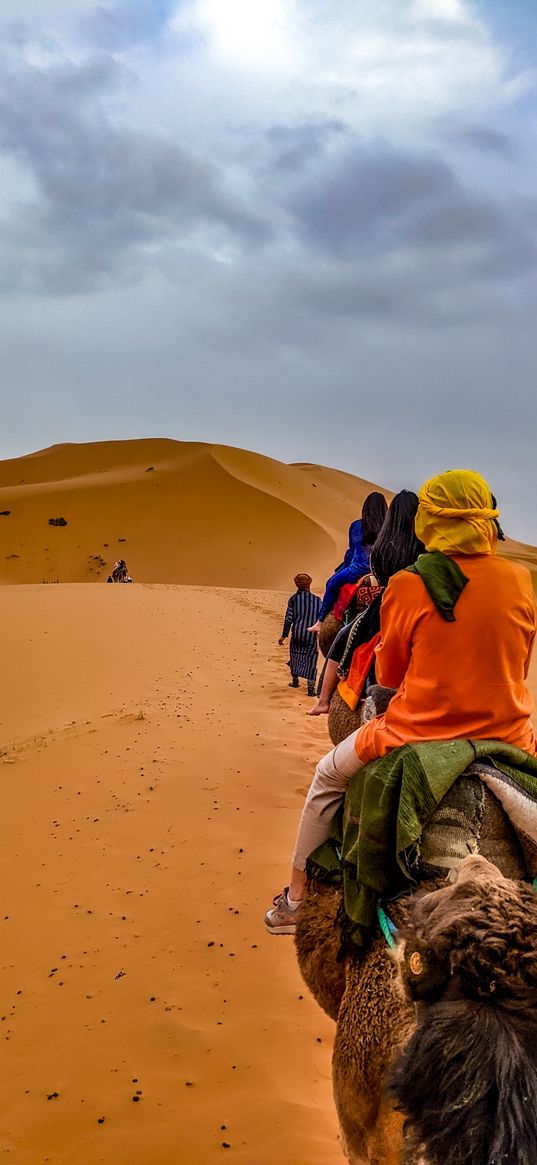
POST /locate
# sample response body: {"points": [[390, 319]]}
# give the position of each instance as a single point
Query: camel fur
{"points": [[466, 1079], [329, 629], [343, 720]]}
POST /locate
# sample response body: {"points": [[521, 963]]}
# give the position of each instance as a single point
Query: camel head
{"points": [[466, 1081]]}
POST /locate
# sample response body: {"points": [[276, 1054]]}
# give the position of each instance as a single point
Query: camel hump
{"points": [[469, 820], [329, 629]]}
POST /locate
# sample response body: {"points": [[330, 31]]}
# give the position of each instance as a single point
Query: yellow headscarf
{"points": [[456, 514]]}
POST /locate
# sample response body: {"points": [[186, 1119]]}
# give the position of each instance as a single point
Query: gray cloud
{"points": [[108, 195], [114, 201], [199, 252], [292, 147], [483, 138], [365, 195], [424, 229], [114, 26]]}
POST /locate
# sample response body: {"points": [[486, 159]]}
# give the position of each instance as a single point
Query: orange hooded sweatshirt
{"points": [[456, 680]]}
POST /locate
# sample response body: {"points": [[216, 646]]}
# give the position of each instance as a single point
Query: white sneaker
{"points": [[281, 919]]}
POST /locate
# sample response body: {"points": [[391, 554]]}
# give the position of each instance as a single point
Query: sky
{"points": [[301, 227]]}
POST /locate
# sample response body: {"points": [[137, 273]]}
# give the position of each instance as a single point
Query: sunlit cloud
{"points": [[384, 68], [245, 35]]}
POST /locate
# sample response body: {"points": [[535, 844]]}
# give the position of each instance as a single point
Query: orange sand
{"points": [[154, 764], [149, 808]]}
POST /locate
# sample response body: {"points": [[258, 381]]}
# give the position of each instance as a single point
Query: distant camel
{"points": [[120, 573], [476, 944]]}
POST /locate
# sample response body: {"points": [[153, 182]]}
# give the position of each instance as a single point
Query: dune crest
{"points": [[186, 512], [178, 512]]}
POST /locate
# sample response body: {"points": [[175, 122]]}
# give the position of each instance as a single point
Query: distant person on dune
{"points": [[302, 608], [363, 534], [120, 573]]}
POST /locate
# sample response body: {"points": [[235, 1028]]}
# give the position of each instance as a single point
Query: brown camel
{"points": [[343, 720], [466, 1080], [374, 1018], [329, 629]]}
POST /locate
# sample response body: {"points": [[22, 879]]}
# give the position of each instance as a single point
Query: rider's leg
{"points": [[330, 682], [326, 793]]}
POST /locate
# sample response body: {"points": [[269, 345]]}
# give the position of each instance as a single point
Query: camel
{"points": [[330, 627], [343, 720], [120, 573], [478, 949], [468, 962]]}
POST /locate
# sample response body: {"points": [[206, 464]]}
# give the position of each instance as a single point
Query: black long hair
{"points": [[396, 546], [373, 515], [499, 531]]}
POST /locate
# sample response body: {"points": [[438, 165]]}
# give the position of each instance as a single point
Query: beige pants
{"points": [[326, 793]]}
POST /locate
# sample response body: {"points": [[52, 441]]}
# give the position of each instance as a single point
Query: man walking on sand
{"points": [[302, 610]]}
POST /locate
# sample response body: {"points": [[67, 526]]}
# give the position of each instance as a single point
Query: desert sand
{"points": [[154, 762]]}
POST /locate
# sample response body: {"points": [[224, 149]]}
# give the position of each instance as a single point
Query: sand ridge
{"points": [[184, 512], [179, 512]]}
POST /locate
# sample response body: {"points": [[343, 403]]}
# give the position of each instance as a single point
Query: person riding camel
{"points": [[457, 632], [362, 536], [396, 547], [120, 572]]}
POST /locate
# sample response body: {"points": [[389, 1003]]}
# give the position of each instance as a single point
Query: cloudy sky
{"points": [[304, 227]]}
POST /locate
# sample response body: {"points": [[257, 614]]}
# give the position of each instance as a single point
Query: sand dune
{"points": [[181, 512], [176, 511]]}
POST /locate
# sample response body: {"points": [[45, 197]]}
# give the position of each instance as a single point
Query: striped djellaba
{"points": [[302, 611]]}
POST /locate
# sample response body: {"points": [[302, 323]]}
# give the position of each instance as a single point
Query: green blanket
{"points": [[387, 805]]}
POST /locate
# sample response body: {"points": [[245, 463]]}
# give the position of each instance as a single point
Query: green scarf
{"points": [[443, 580]]}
